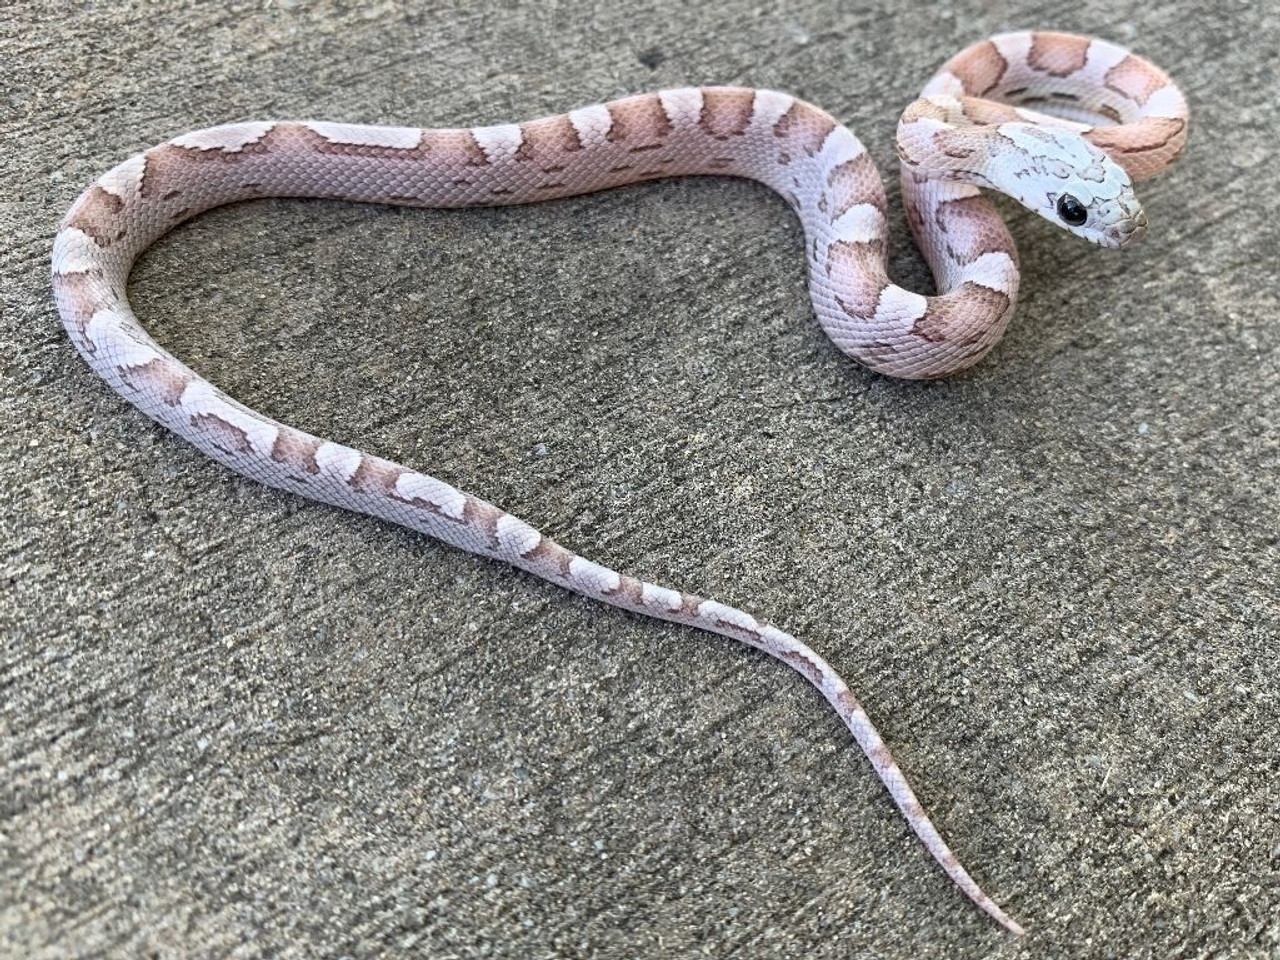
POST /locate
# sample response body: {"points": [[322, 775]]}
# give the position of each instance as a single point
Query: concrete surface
{"points": [[239, 724]]}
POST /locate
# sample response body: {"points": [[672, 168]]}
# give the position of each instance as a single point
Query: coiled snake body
{"points": [[1102, 117]]}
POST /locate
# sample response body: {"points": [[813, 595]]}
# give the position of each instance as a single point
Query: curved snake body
{"points": [[1020, 112]]}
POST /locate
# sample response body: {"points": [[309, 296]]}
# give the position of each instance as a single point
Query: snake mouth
{"points": [[1125, 232]]}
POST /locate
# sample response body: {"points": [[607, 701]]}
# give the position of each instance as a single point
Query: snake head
{"points": [[1056, 173]]}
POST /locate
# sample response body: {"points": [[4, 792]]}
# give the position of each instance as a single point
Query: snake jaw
{"points": [[1127, 231]]}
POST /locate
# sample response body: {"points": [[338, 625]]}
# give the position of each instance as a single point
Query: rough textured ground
{"points": [[238, 724]]}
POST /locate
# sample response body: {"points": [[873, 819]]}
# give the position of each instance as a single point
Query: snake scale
{"points": [[1064, 124]]}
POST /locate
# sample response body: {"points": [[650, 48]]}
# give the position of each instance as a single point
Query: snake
{"points": [[1063, 124]]}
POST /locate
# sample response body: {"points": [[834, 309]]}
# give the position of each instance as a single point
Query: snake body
{"points": [[1062, 123]]}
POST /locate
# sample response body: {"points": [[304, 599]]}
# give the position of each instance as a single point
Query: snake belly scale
{"points": [[1062, 123]]}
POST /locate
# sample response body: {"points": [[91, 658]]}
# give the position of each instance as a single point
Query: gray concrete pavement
{"points": [[235, 723]]}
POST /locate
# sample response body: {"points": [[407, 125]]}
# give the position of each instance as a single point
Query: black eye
{"points": [[1071, 210]]}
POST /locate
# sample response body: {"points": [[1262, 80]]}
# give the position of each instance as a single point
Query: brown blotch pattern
{"points": [[853, 182], [979, 69], [294, 448], [735, 629], [632, 591], [640, 120], [964, 316], [477, 513], [849, 706], [159, 378], [1110, 112], [377, 476], [904, 146], [915, 221], [226, 436], [880, 756], [98, 215], [169, 168], [550, 555], [305, 138], [967, 225], [456, 146], [802, 664], [1134, 79], [726, 113], [689, 604], [956, 144], [805, 127], [1058, 54], [989, 111], [79, 295], [547, 139], [925, 110], [1143, 148], [861, 269], [166, 165]]}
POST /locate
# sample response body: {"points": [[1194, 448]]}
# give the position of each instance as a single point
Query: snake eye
{"points": [[1071, 210]]}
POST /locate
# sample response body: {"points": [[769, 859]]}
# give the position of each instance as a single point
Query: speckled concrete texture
{"points": [[237, 724]]}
